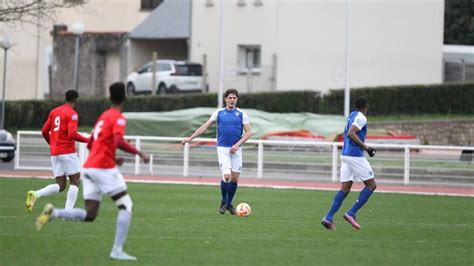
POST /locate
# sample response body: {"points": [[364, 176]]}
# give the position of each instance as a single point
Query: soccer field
{"points": [[180, 225]]}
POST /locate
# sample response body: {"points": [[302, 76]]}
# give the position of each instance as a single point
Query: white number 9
{"points": [[57, 122]]}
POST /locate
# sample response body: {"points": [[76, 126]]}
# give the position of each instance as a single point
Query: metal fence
{"points": [[458, 71], [271, 159]]}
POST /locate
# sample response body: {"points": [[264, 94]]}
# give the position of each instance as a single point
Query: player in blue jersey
{"points": [[231, 124], [353, 164]]}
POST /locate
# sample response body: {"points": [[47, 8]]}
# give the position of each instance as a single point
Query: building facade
{"points": [[299, 45], [271, 45], [30, 62]]}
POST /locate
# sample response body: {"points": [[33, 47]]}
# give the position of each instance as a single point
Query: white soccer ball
{"points": [[243, 210]]}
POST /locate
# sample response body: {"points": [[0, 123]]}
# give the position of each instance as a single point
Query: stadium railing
{"points": [[274, 159]]}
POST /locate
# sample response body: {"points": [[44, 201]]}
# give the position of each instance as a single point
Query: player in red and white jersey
{"points": [[60, 132], [101, 176]]}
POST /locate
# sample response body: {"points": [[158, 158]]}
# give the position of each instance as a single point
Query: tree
{"points": [[28, 11], [459, 22]]}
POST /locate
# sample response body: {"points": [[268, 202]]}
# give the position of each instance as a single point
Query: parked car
{"points": [[7, 146], [171, 77]]}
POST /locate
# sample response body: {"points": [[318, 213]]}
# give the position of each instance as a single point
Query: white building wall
{"points": [[97, 16], [392, 42], [248, 25], [21, 61], [405, 42]]}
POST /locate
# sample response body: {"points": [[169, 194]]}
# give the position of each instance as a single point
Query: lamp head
{"points": [[6, 42], [78, 28]]}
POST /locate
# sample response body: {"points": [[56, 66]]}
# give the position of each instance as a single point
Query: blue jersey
{"points": [[230, 125], [351, 148]]}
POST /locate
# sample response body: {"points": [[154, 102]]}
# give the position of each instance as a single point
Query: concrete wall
{"points": [[458, 133], [141, 51], [22, 64], [392, 42], [96, 51]]}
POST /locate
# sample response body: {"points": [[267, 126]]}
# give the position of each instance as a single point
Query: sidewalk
{"points": [[269, 183]]}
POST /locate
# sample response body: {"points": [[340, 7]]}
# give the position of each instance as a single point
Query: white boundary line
{"points": [[184, 182], [292, 187]]}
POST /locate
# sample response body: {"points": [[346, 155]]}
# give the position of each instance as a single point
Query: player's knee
{"points": [[346, 187], [62, 187], [373, 187], [234, 177], [124, 203], [226, 178], [75, 182]]}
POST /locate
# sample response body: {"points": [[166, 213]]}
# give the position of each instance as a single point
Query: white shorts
{"points": [[65, 164], [357, 167], [97, 181], [229, 162]]}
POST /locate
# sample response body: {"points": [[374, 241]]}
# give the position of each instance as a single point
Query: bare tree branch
{"points": [[28, 11]]}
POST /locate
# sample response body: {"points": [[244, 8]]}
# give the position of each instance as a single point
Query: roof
{"points": [[170, 20]]}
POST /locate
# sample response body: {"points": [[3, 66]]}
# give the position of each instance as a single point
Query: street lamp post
{"points": [[220, 92], [6, 44], [347, 87], [77, 29]]}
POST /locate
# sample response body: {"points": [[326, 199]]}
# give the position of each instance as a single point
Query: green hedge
{"points": [[408, 100], [400, 100]]}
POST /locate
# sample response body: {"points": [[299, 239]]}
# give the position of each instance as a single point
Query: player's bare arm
{"points": [[145, 157], [125, 146], [353, 136], [199, 131], [119, 160], [245, 137], [45, 130]]}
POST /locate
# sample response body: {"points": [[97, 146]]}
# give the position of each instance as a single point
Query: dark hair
{"points": [[117, 92], [231, 91], [71, 95], [361, 102]]}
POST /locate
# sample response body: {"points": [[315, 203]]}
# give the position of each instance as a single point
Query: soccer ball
{"points": [[243, 210]]}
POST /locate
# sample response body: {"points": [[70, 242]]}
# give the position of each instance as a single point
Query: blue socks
{"points": [[363, 198], [228, 191], [336, 204], [231, 192], [224, 191]]}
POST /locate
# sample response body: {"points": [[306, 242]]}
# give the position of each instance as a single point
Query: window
{"points": [[188, 70], [163, 67], [249, 57], [150, 4], [145, 68]]}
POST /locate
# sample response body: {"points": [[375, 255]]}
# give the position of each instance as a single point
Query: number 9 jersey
{"points": [[60, 129], [102, 148]]}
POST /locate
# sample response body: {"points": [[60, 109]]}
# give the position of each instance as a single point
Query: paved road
{"points": [[7, 166]]}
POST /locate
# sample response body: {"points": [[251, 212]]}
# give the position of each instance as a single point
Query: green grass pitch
{"points": [[180, 225]]}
